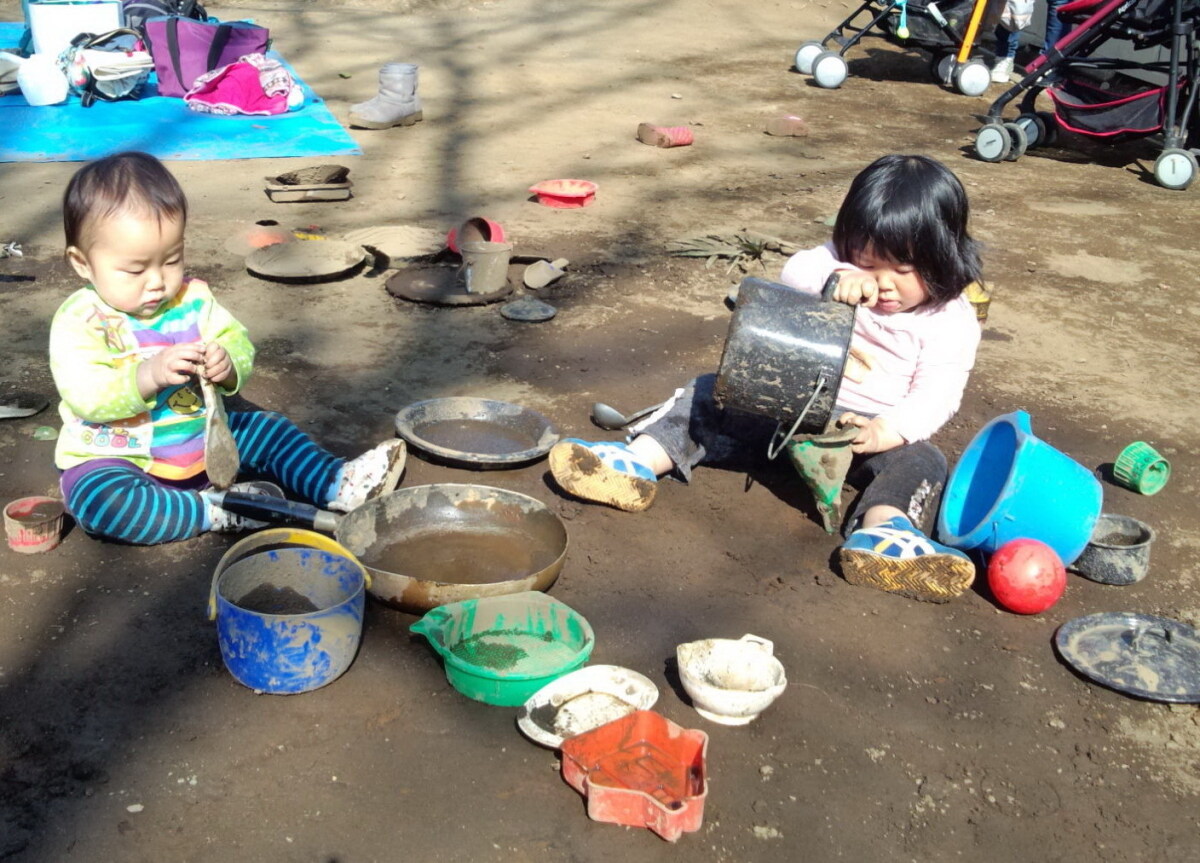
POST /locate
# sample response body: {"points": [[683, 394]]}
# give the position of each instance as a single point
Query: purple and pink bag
{"points": [[184, 49]]}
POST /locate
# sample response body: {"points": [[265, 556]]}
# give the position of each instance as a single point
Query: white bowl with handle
{"points": [[731, 681]]}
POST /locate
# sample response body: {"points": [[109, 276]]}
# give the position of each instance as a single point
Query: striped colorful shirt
{"points": [[95, 351]]}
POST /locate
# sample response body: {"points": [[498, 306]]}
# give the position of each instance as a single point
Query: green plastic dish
{"points": [[502, 649]]}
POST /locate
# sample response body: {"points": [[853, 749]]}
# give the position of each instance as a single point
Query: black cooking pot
{"points": [[784, 356]]}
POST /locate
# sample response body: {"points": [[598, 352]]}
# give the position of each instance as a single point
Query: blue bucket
{"points": [[289, 610], [1011, 485]]}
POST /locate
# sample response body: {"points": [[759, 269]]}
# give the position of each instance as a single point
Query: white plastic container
{"points": [[730, 681], [41, 81]]}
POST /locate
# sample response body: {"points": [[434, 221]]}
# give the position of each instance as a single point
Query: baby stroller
{"points": [[1110, 98], [947, 34]]}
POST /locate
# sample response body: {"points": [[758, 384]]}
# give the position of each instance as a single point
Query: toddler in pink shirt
{"points": [[901, 252]]}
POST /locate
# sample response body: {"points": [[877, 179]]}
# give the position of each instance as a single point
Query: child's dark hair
{"points": [[911, 210], [125, 182]]}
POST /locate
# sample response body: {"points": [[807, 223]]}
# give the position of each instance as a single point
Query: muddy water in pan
{"points": [[461, 557], [475, 436]]}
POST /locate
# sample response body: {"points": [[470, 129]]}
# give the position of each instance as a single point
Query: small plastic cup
{"points": [[34, 524], [1141, 468]]}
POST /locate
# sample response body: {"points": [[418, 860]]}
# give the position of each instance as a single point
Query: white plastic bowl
{"points": [[731, 681]]}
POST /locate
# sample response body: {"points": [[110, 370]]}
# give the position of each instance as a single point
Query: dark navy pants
{"points": [[694, 431]]}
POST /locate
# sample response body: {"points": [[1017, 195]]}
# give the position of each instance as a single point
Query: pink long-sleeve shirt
{"points": [[910, 368]]}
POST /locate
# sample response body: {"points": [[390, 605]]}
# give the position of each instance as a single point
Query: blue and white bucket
{"points": [[289, 609], [1009, 484]]}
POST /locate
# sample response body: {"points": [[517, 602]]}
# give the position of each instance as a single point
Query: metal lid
{"points": [[1138, 654]]}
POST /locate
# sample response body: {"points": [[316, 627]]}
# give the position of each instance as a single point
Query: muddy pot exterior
{"points": [[781, 344], [1119, 551]]}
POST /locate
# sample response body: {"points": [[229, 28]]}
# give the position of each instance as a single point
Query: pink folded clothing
{"points": [[253, 84]]}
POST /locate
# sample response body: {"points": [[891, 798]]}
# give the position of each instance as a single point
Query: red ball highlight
{"points": [[1026, 576]]}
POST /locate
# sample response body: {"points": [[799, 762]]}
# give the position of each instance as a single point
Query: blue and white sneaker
{"points": [[896, 557], [603, 472]]}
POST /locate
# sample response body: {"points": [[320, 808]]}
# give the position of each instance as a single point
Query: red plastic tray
{"points": [[642, 770]]}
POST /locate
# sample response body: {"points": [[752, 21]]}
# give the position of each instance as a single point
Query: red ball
{"points": [[1026, 576]]}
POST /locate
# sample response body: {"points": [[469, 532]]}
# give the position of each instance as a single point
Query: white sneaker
{"points": [[221, 521], [1002, 71], [375, 472]]}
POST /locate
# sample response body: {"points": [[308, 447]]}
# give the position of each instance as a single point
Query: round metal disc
{"points": [[1150, 657], [528, 309], [439, 286], [306, 260]]}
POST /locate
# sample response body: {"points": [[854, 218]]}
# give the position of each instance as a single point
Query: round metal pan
{"points": [[476, 433], [429, 545]]}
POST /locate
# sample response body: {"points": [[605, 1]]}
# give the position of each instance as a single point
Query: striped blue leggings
{"points": [[123, 502]]}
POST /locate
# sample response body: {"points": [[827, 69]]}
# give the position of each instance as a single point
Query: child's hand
{"points": [[218, 367], [169, 367], [875, 435], [856, 288]]}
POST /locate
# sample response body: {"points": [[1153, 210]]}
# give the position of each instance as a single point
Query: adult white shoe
{"points": [[1002, 71]]}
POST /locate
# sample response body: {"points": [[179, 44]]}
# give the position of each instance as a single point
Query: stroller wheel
{"points": [[940, 68], [973, 78], [805, 55], [1050, 128], [1020, 141], [993, 143], [1034, 128], [829, 69], [1175, 168]]}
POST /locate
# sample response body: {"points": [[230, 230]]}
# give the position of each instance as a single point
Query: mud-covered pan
{"points": [[484, 434], [429, 545]]}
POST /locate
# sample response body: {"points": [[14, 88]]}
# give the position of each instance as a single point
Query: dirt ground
{"points": [[907, 732]]}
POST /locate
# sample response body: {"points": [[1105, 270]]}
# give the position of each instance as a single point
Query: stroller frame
{"points": [[951, 66], [1176, 166]]}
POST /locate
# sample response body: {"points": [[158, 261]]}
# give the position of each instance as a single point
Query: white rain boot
{"points": [[396, 104]]}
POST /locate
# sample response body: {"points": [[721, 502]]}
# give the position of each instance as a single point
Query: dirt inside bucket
{"points": [[38, 513], [271, 599], [1117, 537]]}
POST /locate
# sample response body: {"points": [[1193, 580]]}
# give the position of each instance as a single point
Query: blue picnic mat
{"points": [[162, 126]]}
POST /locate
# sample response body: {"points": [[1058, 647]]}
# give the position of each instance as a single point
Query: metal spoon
{"points": [[608, 417]]}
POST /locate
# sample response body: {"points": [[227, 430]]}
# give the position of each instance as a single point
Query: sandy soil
{"points": [[908, 731]]}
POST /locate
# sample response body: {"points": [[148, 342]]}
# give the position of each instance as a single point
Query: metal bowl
{"points": [[476, 433], [429, 545]]}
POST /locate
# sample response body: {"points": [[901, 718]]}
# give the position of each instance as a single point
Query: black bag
{"points": [[137, 11]]}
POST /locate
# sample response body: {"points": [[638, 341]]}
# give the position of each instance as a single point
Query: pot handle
{"points": [[759, 641], [277, 510], [779, 439], [1140, 638], [830, 285]]}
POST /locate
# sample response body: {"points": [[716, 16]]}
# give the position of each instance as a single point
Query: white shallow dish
{"points": [[583, 700]]}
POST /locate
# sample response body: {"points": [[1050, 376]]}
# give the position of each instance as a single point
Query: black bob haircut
{"points": [[911, 210], [121, 183]]}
